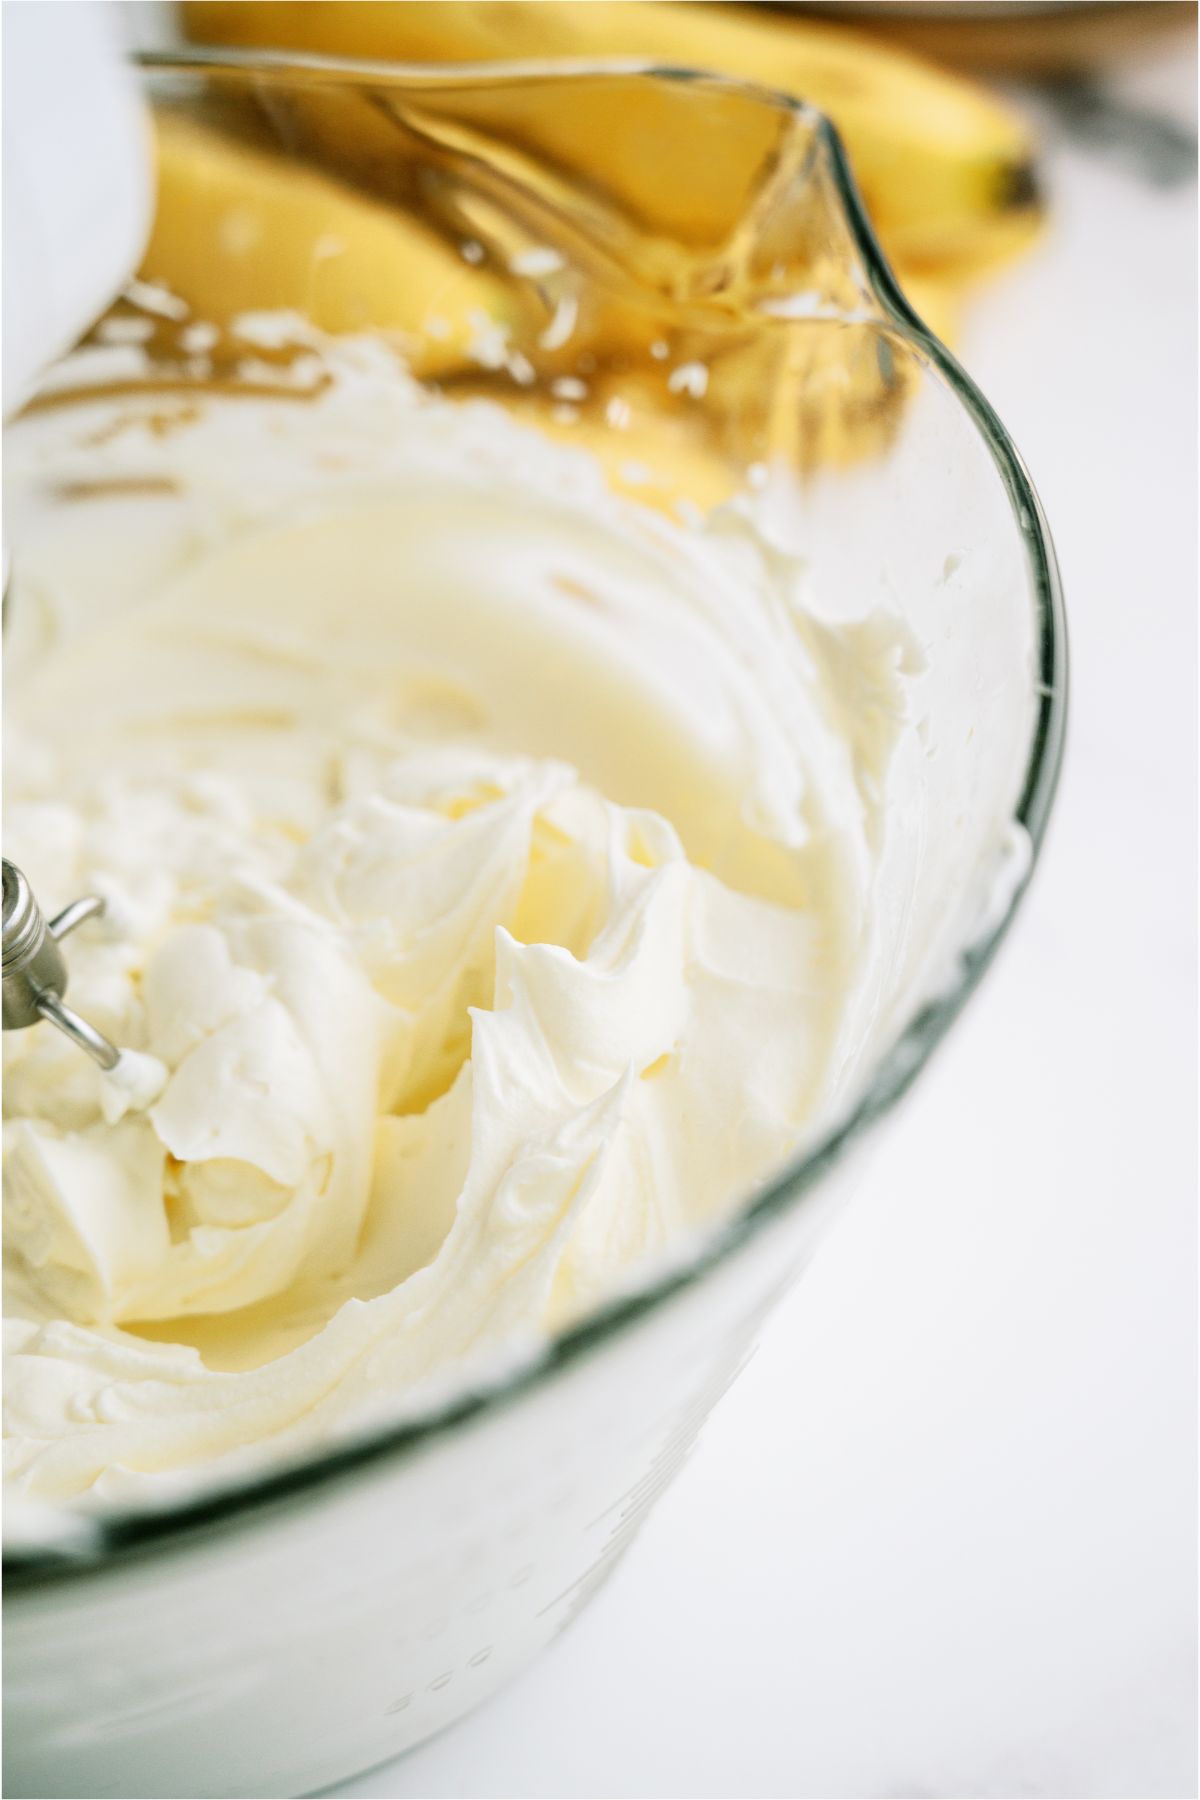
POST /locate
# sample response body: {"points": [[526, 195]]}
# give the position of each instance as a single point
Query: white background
{"points": [[940, 1538]]}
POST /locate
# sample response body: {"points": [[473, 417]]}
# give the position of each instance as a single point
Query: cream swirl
{"points": [[489, 868]]}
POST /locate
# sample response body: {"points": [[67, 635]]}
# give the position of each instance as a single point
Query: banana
{"points": [[240, 229], [946, 171], [237, 230]]}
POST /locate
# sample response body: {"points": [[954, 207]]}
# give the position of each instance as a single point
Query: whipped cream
{"points": [[490, 867]]}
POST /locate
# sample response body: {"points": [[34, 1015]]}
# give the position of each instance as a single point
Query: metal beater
{"points": [[35, 970]]}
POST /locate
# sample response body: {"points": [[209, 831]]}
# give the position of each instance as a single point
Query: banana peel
{"points": [[947, 172]]}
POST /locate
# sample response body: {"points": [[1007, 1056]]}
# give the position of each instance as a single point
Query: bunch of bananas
{"points": [[947, 172], [364, 223]]}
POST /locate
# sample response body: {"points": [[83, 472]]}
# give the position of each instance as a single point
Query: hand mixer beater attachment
{"points": [[35, 970]]}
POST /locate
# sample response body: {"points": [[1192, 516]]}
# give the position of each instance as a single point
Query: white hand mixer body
{"points": [[78, 188]]}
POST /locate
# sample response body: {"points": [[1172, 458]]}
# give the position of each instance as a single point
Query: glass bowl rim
{"points": [[107, 1538]]}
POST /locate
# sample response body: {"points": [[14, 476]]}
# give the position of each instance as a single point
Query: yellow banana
{"points": [[241, 229], [238, 230], [945, 169]]}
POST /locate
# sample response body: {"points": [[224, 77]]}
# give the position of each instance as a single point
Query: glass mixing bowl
{"points": [[676, 272]]}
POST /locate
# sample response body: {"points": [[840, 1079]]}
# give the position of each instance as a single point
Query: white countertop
{"points": [[940, 1538]]}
